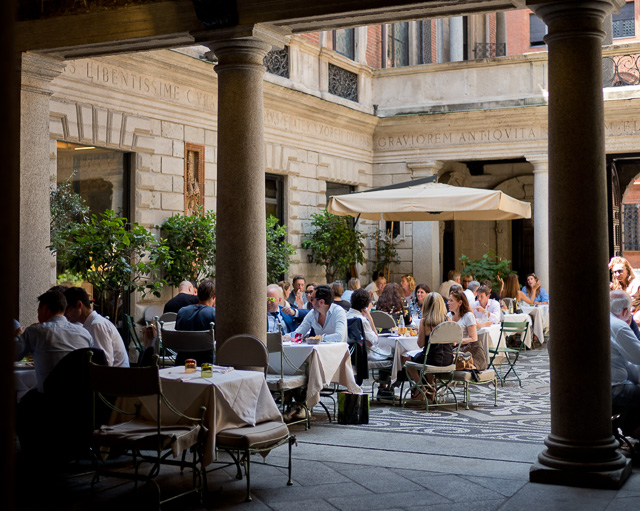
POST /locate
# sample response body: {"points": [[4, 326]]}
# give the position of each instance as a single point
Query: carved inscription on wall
{"points": [[140, 83], [193, 178]]}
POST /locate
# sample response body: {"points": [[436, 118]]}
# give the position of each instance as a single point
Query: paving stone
{"points": [[409, 499]]}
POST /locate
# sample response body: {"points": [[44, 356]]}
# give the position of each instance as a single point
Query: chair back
{"points": [[151, 312], [509, 328], [243, 351], [133, 334], [383, 320], [167, 317], [185, 340], [358, 349], [125, 381], [448, 332], [274, 342]]}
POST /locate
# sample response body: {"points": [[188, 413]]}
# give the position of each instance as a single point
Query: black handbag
{"points": [[353, 408]]}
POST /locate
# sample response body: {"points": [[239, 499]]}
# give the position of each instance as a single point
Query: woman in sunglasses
{"points": [[622, 276]]}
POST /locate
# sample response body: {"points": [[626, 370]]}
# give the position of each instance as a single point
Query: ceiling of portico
{"points": [[172, 23]]}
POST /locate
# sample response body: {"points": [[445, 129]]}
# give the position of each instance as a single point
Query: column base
{"points": [[578, 475]]}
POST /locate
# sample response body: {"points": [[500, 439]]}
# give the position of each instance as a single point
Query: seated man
{"points": [[53, 337], [198, 317], [326, 318], [186, 296], [104, 333], [625, 363], [485, 309], [297, 298], [280, 316]]}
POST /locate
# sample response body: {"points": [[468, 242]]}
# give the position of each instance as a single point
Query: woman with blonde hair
{"points": [[408, 285], [622, 276]]}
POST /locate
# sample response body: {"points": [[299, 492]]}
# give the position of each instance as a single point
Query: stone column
{"points": [[541, 217], [37, 72], [456, 50], [426, 235], [241, 266], [581, 450], [501, 34], [360, 41]]}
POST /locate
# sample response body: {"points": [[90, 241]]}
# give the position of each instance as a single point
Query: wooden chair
{"points": [[147, 438], [448, 332]]}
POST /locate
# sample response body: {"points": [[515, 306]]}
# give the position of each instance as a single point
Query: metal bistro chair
{"points": [[383, 320], [133, 335], [508, 330], [448, 332], [245, 351], [279, 383], [475, 377], [149, 439], [184, 341]]}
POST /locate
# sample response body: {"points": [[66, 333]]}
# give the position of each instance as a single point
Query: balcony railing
{"points": [[619, 70], [489, 50]]}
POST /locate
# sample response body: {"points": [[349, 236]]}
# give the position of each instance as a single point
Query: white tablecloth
{"points": [[540, 316], [326, 363], [400, 346], [233, 399], [490, 335], [25, 379]]}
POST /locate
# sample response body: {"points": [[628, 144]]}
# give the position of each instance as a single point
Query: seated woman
{"points": [[460, 311], [408, 284], [392, 301], [360, 301], [352, 285], [434, 312], [511, 289], [534, 290], [415, 306], [622, 276]]}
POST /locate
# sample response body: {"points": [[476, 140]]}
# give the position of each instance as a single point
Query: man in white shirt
{"points": [[104, 333], [485, 309], [625, 363], [472, 291], [326, 318]]}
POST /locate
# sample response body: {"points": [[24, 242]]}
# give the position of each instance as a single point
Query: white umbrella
{"points": [[426, 200]]}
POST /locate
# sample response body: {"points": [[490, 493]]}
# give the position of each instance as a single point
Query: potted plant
{"points": [[386, 253], [279, 252], [334, 243], [488, 267]]}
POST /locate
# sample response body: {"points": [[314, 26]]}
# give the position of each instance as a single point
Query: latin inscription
{"points": [[139, 83], [444, 138]]}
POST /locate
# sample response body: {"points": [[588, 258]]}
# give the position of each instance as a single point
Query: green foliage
{"points": [[69, 276], [334, 243], [487, 267], [386, 253], [116, 256], [191, 242], [279, 252], [68, 210]]}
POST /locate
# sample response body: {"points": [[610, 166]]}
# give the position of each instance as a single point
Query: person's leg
{"points": [[627, 398]]}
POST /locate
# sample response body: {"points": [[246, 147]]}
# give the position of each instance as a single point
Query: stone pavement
{"points": [[403, 460]]}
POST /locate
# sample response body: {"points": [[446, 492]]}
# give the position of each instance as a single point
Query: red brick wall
{"points": [[313, 37], [374, 46]]}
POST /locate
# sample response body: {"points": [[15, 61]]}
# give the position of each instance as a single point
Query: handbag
{"points": [[353, 408], [464, 361]]}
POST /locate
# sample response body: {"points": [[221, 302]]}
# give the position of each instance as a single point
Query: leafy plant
{"points": [[117, 257], [487, 267], [279, 252], [191, 242], [386, 253], [68, 210], [334, 243]]}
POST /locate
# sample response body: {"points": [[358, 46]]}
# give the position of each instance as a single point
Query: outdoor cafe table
{"points": [[233, 399], [491, 335], [326, 363], [400, 345], [540, 316]]}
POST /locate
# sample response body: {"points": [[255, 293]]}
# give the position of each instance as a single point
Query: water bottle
{"points": [[401, 326]]}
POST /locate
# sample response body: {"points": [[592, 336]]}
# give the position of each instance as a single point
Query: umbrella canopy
{"points": [[426, 200]]}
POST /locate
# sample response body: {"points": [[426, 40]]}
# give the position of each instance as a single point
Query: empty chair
{"points": [[383, 320], [151, 435], [168, 317], [200, 344], [243, 351], [516, 331]]}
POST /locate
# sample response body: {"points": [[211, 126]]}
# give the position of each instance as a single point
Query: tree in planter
{"points": [[191, 242], [334, 243], [117, 257], [488, 267], [386, 253], [68, 210], [279, 252]]}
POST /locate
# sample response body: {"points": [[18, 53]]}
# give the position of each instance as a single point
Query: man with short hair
{"points": [[472, 291], [485, 309], [625, 363], [281, 318], [492, 294], [326, 318], [104, 333], [198, 317], [445, 288], [297, 298], [50, 340], [186, 296]]}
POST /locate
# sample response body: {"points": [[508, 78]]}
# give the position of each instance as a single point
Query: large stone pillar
{"points": [[427, 267], [37, 72], [241, 263], [581, 450], [541, 217], [456, 43]]}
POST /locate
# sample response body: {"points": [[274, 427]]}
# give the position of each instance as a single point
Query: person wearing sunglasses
{"points": [[622, 276], [280, 316]]}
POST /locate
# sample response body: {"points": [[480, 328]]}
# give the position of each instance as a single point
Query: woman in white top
{"points": [[622, 276], [460, 312], [360, 301]]}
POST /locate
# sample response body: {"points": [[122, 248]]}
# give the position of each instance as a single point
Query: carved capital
{"points": [[37, 72]]}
